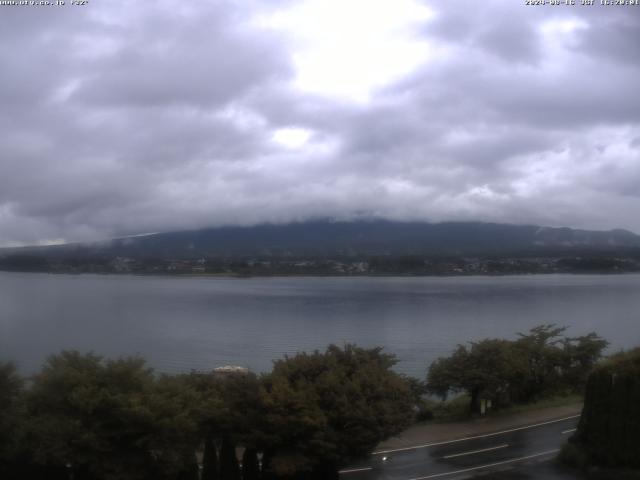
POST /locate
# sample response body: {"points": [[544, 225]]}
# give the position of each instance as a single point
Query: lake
{"points": [[184, 323]]}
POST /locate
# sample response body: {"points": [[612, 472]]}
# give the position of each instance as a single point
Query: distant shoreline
{"points": [[325, 275]]}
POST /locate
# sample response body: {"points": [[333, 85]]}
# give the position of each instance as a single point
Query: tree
{"points": [[250, 464], [229, 468], [539, 363], [490, 369], [173, 429], [296, 422], [210, 459], [557, 364], [229, 406], [327, 408], [112, 419], [90, 414], [11, 415], [541, 346], [608, 431], [239, 415], [581, 356]]}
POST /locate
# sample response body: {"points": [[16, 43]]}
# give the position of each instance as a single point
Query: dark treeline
{"points": [[90, 418], [85, 417], [499, 372], [356, 265]]}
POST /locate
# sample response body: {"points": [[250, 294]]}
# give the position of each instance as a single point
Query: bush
{"points": [[424, 412], [454, 409]]}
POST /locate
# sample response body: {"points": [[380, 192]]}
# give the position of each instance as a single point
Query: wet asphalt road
{"points": [[511, 452]]}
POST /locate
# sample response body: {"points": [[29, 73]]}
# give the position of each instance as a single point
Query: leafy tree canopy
{"points": [[538, 363], [334, 405]]}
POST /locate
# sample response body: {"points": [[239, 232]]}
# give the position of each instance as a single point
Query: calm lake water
{"points": [[180, 324]]}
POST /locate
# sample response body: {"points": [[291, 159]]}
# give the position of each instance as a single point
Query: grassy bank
{"points": [[457, 409]]}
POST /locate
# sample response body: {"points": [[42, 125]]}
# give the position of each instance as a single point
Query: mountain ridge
{"points": [[323, 238]]}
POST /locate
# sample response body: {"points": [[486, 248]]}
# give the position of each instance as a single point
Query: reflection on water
{"points": [[180, 324]]}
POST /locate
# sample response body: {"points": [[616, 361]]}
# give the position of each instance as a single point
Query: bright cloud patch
{"points": [[347, 48], [291, 137]]}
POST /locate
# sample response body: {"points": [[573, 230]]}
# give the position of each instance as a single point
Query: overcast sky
{"points": [[124, 117]]}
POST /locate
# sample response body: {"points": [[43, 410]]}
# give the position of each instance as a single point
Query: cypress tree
{"points": [[189, 470], [610, 422], [229, 468], [210, 460], [326, 471], [250, 467], [267, 472]]}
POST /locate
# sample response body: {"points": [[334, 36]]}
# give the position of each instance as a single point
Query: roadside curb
{"points": [[430, 433]]}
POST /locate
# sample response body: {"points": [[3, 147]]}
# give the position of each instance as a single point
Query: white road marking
{"points": [[486, 435], [476, 451], [354, 470], [569, 431], [489, 465]]}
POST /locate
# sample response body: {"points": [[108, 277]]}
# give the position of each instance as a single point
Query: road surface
{"points": [[469, 456]]}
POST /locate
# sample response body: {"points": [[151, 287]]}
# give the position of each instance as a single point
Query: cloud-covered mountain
{"points": [[376, 237]]}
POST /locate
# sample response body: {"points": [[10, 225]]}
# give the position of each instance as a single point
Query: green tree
{"points": [[490, 369], [557, 364], [542, 347], [539, 363], [173, 427], [240, 415], [581, 355], [112, 419], [228, 403], [296, 422], [11, 417], [91, 415], [327, 408], [229, 412]]}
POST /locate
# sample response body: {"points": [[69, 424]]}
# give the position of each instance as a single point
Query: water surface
{"points": [[181, 323]]}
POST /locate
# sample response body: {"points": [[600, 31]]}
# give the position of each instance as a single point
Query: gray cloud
{"points": [[120, 118]]}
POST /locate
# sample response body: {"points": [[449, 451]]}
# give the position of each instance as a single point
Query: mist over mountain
{"points": [[325, 238]]}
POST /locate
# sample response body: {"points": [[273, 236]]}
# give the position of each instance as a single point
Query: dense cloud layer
{"points": [[121, 117]]}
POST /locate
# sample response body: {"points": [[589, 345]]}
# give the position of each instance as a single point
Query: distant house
{"points": [[230, 370]]}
